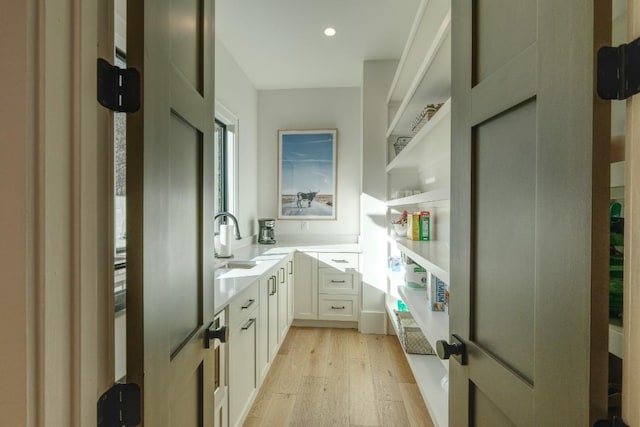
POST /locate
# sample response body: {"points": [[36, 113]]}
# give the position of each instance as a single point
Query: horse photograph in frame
{"points": [[307, 174]]}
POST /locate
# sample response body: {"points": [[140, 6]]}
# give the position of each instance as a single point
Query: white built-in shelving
{"points": [[432, 255], [441, 195], [429, 373], [423, 166]]}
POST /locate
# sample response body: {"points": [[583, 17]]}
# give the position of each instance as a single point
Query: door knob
{"points": [[456, 348], [220, 333]]}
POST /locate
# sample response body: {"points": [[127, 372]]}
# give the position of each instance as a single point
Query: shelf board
{"points": [[430, 84], [428, 372], [433, 140], [426, 197], [432, 255], [425, 25], [434, 324]]}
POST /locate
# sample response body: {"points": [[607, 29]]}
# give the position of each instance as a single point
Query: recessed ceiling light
{"points": [[329, 32]]}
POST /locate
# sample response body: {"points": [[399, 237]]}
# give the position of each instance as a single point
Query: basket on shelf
{"points": [[411, 337], [425, 115], [400, 143]]}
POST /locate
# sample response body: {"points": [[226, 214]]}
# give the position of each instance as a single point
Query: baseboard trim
{"points": [[373, 322], [304, 323]]}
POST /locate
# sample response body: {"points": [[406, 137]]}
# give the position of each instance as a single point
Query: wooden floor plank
{"points": [[307, 404], [357, 345], [384, 381], [269, 386], [392, 414], [334, 406], [398, 361], [337, 357], [285, 348], [356, 380], [362, 402], [318, 354], [414, 405], [280, 410]]}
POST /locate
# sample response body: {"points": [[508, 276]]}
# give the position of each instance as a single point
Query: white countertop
{"points": [[229, 284]]}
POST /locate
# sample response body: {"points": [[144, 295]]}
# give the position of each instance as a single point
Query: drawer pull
{"points": [[283, 275], [290, 268], [274, 288], [341, 261], [333, 307], [248, 304], [249, 323], [337, 281]]}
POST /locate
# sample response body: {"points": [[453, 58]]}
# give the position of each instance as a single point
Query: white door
{"points": [[529, 215], [170, 192]]}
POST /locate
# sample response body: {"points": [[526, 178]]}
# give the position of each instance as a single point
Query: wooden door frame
{"points": [[631, 373], [56, 141]]}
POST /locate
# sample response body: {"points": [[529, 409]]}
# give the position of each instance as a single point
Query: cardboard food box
{"points": [[419, 225], [437, 294]]}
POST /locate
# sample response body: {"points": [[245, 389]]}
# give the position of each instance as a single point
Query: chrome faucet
{"points": [[235, 221]]}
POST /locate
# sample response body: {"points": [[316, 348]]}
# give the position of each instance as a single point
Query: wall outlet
{"points": [[304, 226]]}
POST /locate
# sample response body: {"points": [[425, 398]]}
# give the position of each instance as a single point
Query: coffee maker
{"points": [[266, 233]]}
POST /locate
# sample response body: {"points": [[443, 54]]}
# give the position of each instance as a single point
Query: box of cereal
{"points": [[437, 294]]}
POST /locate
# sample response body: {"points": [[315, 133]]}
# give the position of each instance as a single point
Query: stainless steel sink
{"points": [[231, 265]]}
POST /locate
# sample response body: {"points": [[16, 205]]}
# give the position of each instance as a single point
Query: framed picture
{"points": [[307, 174]]}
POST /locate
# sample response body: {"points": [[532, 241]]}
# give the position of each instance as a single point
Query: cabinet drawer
{"points": [[335, 282], [338, 307], [243, 305], [342, 261]]}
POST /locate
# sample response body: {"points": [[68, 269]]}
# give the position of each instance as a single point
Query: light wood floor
{"points": [[338, 377]]}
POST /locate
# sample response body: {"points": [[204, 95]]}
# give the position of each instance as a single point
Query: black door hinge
{"points": [[619, 71], [611, 422], [119, 406], [118, 88]]}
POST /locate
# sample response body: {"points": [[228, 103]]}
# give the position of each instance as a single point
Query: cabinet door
{"points": [[273, 317], [282, 302], [242, 369], [220, 387], [263, 327], [290, 290], [306, 287]]}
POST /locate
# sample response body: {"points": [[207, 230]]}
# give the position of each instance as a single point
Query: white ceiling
{"points": [[280, 43]]}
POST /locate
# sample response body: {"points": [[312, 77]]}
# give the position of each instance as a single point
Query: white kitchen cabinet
{"points": [[243, 354], [338, 307], [263, 326], [327, 286], [221, 386], [273, 335], [290, 289], [305, 293], [283, 290]]}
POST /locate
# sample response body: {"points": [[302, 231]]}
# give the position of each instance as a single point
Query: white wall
{"points": [[312, 109], [238, 95], [377, 77]]}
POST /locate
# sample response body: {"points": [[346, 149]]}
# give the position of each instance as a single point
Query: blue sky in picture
{"points": [[307, 163]]}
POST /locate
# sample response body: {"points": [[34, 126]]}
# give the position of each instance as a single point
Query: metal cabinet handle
{"points": [[342, 261], [290, 267], [333, 307], [249, 323], [337, 281], [283, 274], [273, 281], [248, 304]]}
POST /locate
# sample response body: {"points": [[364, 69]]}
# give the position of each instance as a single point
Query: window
{"points": [[225, 162]]}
